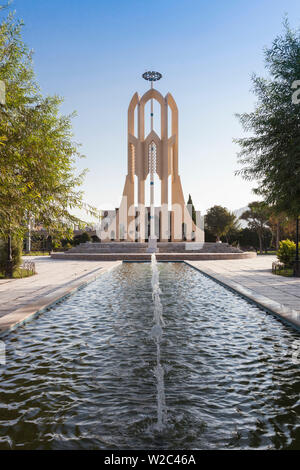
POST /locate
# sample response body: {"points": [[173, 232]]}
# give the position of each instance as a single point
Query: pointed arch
{"points": [[173, 106], [131, 108], [153, 137], [152, 93], [156, 95]]}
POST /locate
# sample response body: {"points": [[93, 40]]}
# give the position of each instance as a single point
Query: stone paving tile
{"points": [[255, 274], [51, 275]]}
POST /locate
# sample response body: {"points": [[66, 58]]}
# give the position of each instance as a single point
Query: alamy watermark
{"points": [[296, 94], [2, 92], [2, 354], [296, 352], [132, 222]]}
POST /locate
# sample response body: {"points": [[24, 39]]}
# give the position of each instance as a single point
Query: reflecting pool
{"points": [[81, 376]]}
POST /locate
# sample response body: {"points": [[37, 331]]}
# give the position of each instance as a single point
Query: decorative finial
{"points": [[152, 76]]}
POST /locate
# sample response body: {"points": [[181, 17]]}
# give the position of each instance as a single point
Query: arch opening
{"points": [[169, 122], [136, 126]]}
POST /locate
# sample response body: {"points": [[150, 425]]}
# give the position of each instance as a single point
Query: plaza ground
{"points": [[22, 298], [252, 278]]}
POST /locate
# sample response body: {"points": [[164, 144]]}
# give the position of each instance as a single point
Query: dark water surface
{"points": [[81, 375]]}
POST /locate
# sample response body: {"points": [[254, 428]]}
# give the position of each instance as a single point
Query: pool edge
{"points": [[29, 312], [34, 309], [281, 312]]}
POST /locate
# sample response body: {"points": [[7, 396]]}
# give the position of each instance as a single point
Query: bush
{"points": [[66, 242], [16, 248], [56, 245], [82, 238], [286, 252]]}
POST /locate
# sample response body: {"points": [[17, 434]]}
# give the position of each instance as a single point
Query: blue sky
{"points": [[93, 53]]}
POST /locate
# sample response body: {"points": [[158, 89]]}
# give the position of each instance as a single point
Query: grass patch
{"points": [[287, 272], [36, 253], [19, 273], [267, 253]]}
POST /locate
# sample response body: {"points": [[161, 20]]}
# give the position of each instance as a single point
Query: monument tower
{"points": [[148, 155], [153, 157]]}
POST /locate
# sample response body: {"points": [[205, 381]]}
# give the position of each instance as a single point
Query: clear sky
{"points": [[93, 53]]}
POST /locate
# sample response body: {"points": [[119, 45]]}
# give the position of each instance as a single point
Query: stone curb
{"points": [[285, 314], [22, 315], [147, 256]]}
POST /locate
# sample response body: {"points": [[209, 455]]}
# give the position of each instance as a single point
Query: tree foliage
{"points": [[286, 252], [191, 206], [16, 254], [257, 217], [271, 155], [82, 238], [219, 221], [38, 154]]}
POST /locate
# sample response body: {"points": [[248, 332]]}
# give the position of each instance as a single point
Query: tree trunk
{"points": [[9, 261], [277, 236], [260, 244]]}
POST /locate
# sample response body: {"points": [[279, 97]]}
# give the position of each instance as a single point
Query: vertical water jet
{"points": [[156, 334]]}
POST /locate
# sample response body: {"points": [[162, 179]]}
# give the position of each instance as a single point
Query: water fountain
{"points": [[78, 376], [157, 329], [156, 334]]}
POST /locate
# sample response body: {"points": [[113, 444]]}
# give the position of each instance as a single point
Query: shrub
{"points": [[16, 248], [286, 252], [65, 242], [56, 245], [82, 238]]}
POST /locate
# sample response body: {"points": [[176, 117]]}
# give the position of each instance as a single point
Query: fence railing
{"points": [[27, 269], [277, 266]]}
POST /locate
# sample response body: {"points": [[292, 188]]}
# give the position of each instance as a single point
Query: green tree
{"points": [[286, 252], [37, 152], [248, 239], [82, 238], [232, 234], [277, 223], [257, 217], [16, 252], [271, 155], [219, 221], [191, 209]]}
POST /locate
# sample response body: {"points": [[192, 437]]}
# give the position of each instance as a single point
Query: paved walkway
{"points": [[253, 278], [21, 298]]}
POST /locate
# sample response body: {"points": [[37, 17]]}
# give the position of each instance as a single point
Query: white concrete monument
{"points": [[149, 155]]}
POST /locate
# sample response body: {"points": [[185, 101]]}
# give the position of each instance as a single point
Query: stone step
{"points": [[147, 256], [107, 250], [171, 247]]}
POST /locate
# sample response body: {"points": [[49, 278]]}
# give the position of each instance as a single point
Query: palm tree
{"points": [[257, 217]]}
